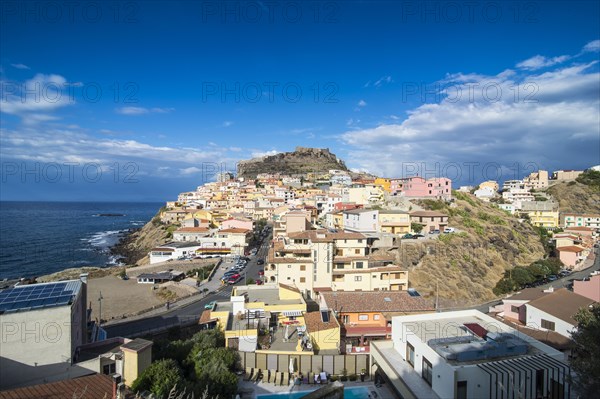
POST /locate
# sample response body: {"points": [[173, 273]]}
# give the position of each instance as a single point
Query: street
{"points": [[190, 313]]}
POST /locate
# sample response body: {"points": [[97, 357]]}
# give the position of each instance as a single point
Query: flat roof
{"points": [[39, 296]]}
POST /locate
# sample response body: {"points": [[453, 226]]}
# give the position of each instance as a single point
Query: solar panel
{"points": [[38, 295]]}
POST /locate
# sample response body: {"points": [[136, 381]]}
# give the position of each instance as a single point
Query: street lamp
{"points": [[100, 298]]}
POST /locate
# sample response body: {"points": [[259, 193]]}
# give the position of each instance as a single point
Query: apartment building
{"points": [[418, 187], [580, 220], [394, 222], [317, 259], [361, 220], [537, 180], [467, 354], [541, 213], [566, 174], [430, 220]]}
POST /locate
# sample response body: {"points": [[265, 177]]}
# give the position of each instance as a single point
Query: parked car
{"points": [[260, 262], [595, 273], [415, 236], [261, 272], [449, 230], [552, 277], [234, 279], [259, 282], [211, 305], [407, 235], [434, 232]]}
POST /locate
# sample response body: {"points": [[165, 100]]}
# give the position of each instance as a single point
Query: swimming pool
{"points": [[349, 393]]}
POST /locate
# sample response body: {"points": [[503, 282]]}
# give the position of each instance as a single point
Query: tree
{"points": [[587, 352], [159, 378], [416, 227]]}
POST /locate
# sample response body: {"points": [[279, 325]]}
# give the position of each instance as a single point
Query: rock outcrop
{"points": [[302, 160]]}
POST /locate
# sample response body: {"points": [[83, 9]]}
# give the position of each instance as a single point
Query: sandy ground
{"points": [[127, 297]]}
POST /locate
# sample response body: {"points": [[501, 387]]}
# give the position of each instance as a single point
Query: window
{"points": [[345, 319], [548, 325], [302, 268], [363, 317], [302, 280], [359, 265], [376, 317], [109, 369], [360, 241], [357, 251], [357, 278], [426, 371], [514, 309], [410, 354], [374, 217]]}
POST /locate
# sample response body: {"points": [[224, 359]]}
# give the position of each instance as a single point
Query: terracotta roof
{"points": [[375, 301], [570, 248], [326, 236], [205, 317], [315, 323], [95, 386], [579, 228], [562, 304], [428, 214]]}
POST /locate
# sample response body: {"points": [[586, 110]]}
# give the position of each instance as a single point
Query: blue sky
{"points": [[141, 100]]}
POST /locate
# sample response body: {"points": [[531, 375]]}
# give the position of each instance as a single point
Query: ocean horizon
{"points": [[43, 237]]}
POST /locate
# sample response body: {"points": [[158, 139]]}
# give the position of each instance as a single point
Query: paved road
{"points": [[190, 313], [560, 283]]}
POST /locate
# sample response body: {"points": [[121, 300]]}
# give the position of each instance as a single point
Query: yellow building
{"points": [[548, 219], [394, 222], [137, 357], [323, 330], [384, 183], [200, 214]]}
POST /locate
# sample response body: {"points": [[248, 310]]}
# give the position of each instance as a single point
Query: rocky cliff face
{"points": [[302, 160]]}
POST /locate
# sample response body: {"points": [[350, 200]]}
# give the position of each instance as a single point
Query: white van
{"points": [[449, 230]]}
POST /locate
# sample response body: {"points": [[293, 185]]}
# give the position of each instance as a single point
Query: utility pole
{"points": [[437, 299]]}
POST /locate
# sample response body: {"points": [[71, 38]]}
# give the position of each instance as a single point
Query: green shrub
{"points": [[352, 377], [344, 378], [333, 378]]}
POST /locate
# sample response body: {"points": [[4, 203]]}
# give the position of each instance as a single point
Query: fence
{"points": [[305, 363]]}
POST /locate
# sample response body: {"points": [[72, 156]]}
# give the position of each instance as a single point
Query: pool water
{"points": [[349, 393]]}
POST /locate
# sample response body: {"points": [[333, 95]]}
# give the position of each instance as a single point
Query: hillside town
{"points": [[308, 289]]}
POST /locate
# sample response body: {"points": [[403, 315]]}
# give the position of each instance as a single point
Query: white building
{"points": [[361, 220], [467, 354], [340, 179], [485, 193], [42, 325], [554, 312]]}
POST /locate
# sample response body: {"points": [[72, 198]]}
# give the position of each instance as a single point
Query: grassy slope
{"points": [[467, 265], [576, 197]]}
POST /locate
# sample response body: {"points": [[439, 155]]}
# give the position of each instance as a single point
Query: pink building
{"points": [[514, 308], [418, 187], [589, 289], [570, 255], [237, 224]]}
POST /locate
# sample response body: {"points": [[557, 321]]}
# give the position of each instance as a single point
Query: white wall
{"points": [[535, 316]]}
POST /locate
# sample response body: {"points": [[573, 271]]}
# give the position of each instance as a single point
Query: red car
{"points": [[259, 282], [261, 272]]}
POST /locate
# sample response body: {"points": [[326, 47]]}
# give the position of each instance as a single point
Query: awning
{"points": [[293, 313]]}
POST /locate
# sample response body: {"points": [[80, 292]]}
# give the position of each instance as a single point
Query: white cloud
{"points": [[379, 82], [362, 103], [192, 170], [260, 154], [539, 61], [593, 46], [20, 66], [142, 111], [227, 124], [549, 118], [42, 93]]}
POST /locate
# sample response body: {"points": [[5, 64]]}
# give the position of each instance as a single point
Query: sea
{"points": [[38, 238]]}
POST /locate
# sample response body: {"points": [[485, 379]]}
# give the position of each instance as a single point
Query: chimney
{"points": [[83, 277], [116, 381]]}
